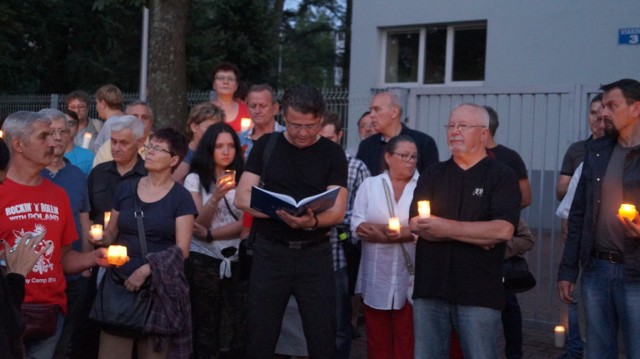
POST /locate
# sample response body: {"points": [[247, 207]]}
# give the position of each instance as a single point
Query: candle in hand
{"points": [[424, 209], [96, 232], [559, 336], [394, 224], [245, 123], [107, 217], [117, 255], [627, 211], [86, 139], [229, 177]]}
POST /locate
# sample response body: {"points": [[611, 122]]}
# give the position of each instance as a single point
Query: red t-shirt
{"points": [[243, 112], [33, 209]]}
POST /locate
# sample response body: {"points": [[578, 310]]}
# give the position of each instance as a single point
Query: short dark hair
{"points": [[226, 66], [175, 140], [365, 114], [203, 163], [71, 114], [596, 98], [494, 122], [263, 87], [630, 89], [4, 155], [304, 99], [78, 95], [331, 118]]}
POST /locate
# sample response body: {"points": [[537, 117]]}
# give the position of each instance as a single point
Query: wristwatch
{"points": [[315, 226]]}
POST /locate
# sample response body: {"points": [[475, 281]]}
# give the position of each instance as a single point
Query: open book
{"points": [[268, 202]]}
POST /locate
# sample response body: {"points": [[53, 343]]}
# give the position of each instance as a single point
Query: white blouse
{"points": [[222, 217], [383, 278]]}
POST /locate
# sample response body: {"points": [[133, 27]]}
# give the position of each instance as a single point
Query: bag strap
{"points": [[407, 258], [266, 155], [139, 214], [229, 208]]}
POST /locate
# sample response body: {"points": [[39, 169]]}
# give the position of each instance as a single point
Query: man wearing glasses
{"points": [[475, 207], [78, 102], [293, 254], [386, 112]]}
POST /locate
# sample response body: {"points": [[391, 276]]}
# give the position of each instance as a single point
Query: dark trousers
{"points": [[208, 294], [78, 312], [512, 327], [277, 273]]}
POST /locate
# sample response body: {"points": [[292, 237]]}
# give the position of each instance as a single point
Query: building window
{"points": [[435, 55]]}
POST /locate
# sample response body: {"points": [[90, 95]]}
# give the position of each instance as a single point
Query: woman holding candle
{"points": [[383, 278], [200, 118], [225, 83], [213, 269], [168, 217]]}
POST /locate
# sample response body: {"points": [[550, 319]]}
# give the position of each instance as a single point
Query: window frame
{"points": [[422, 30]]}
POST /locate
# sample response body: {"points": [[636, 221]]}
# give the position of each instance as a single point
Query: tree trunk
{"points": [[167, 79]]}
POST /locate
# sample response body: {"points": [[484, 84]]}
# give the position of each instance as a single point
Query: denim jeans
{"points": [[276, 273], [343, 313], [477, 329], [575, 345], [610, 303]]}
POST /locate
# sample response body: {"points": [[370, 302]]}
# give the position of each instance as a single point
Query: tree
{"points": [[167, 86]]}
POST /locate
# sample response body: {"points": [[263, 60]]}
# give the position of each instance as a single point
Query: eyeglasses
{"points": [[156, 148], [367, 126], [406, 157], [77, 107], [297, 127], [461, 127], [59, 132], [225, 78]]}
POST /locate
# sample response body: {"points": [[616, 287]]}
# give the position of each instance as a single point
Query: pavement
{"points": [[538, 343]]}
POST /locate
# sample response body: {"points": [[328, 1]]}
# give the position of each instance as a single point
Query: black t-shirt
{"points": [[299, 173], [458, 272], [510, 158], [372, 148]]}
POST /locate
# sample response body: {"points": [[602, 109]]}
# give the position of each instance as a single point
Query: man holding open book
{"points": [[293, 253]]}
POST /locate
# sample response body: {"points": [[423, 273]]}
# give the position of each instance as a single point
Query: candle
{"points": [[229, 177], [424, 209], [86, 139], [1, 134], [245, 123], [627, 211], [96, 232], [394, 224], [107, 217], [559, 336], [117, 255]]}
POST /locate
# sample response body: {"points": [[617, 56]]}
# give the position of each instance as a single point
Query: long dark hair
{"points": [[203, 163]]}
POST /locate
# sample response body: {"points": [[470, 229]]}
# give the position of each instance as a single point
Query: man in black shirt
{"points": [[386, 112], [475, 205], [293, 254]]}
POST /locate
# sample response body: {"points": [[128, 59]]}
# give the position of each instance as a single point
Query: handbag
{"points": [[40, 320], [407, 258], [118, 310], [516, 275]]}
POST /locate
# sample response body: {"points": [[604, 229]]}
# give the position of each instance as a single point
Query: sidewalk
{"points": [[538, 344]]}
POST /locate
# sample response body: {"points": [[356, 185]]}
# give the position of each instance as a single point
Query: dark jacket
{"points": [[583, 215]]}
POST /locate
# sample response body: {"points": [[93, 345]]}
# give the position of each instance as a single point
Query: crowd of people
{"points": [[227, 278]]}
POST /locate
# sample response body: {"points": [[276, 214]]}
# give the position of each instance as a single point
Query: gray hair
{"points": [[128, 121], [140, 103], [482, 111], [18, 125], [395, 101], [53, 114]]}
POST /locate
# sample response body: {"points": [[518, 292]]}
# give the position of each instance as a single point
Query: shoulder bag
{"points": [[118, 310]]}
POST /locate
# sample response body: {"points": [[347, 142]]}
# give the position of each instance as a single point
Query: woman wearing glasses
{"points": [[213, 267], [225, 83], [167, 215], [383, 277]]}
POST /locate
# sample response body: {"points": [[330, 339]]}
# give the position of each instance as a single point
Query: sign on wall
{"points": [[629, 36]]}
